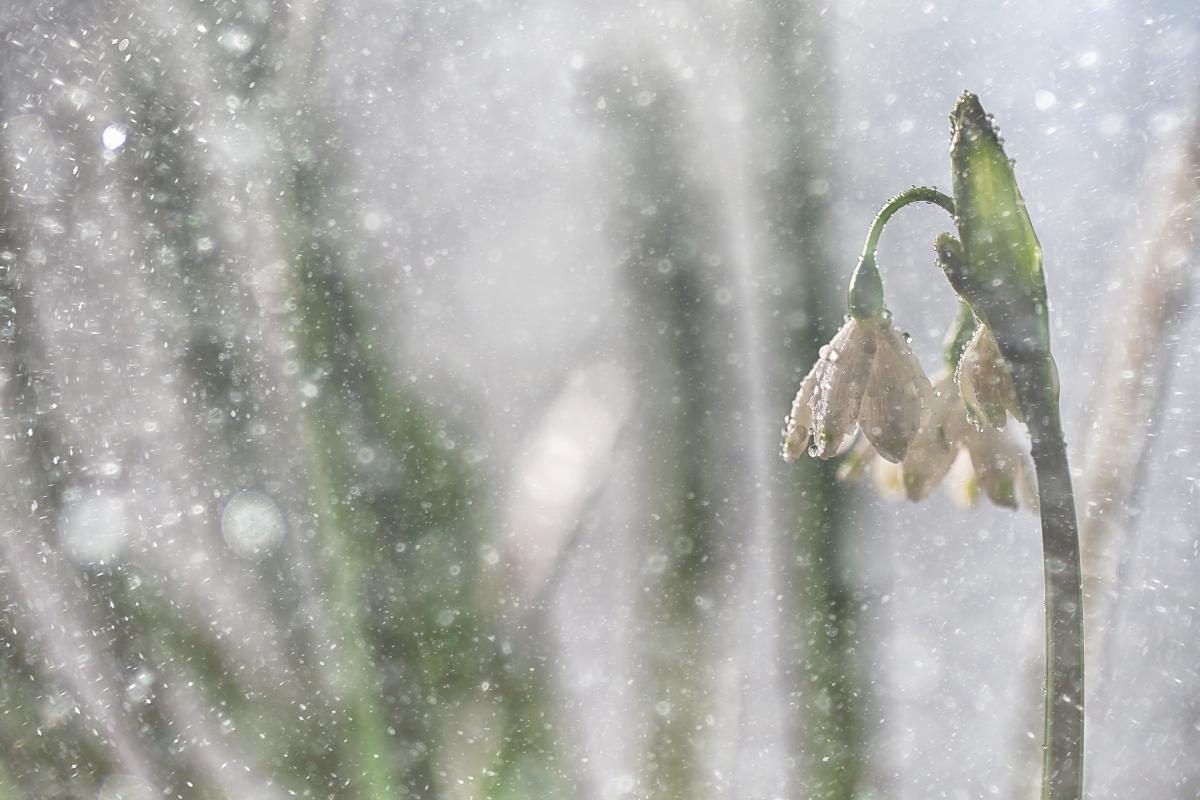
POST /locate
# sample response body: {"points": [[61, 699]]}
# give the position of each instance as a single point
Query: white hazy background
{"points": [[517, 193]]}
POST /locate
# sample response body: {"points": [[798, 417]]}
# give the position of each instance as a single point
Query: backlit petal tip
{"points": [[888, 478], [860, 459], [863, 458]]}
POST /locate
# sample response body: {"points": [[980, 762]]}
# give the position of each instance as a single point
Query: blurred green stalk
{"points": [[821, 618], [366, 741]]}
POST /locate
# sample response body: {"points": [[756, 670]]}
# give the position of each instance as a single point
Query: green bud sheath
{"points": [[999, 269], [865, 298], [996, 232]]}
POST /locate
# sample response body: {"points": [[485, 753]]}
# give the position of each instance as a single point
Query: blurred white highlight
{"points": [[252, 523], [563, 462]]}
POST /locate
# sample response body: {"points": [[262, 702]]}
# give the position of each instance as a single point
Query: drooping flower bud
{"points": [[985, 382]]}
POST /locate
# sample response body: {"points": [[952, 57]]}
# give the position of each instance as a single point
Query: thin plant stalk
{"points": [[1062, 763], [914, 194], [821, 619], [866, 286]]}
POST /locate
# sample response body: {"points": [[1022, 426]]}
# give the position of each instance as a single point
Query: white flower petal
{"points": [[985, 382], [840, 386], [932, 451], [999, 465], [798, 424], [896, 396]]}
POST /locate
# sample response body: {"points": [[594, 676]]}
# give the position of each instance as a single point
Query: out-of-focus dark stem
{"points": [[822, 618], [1133, 384], [1062, 767]]}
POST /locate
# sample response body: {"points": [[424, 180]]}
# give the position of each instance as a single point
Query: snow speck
{"points": [[1044, 100], [252, 523], [237, 41], [113, 137]]}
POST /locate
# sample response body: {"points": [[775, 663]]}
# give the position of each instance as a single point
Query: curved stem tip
{"points": [[866, 286]]}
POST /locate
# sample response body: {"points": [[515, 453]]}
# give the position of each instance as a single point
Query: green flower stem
{"points": [[866, 286], [1000, 275], [1062, 768]]}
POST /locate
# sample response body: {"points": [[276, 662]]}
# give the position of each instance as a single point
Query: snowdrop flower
{"points": [[985, 382], [868, 377], [998, 468]]}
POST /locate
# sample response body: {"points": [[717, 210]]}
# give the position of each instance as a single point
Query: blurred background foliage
{"points": [[391, 393]]}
